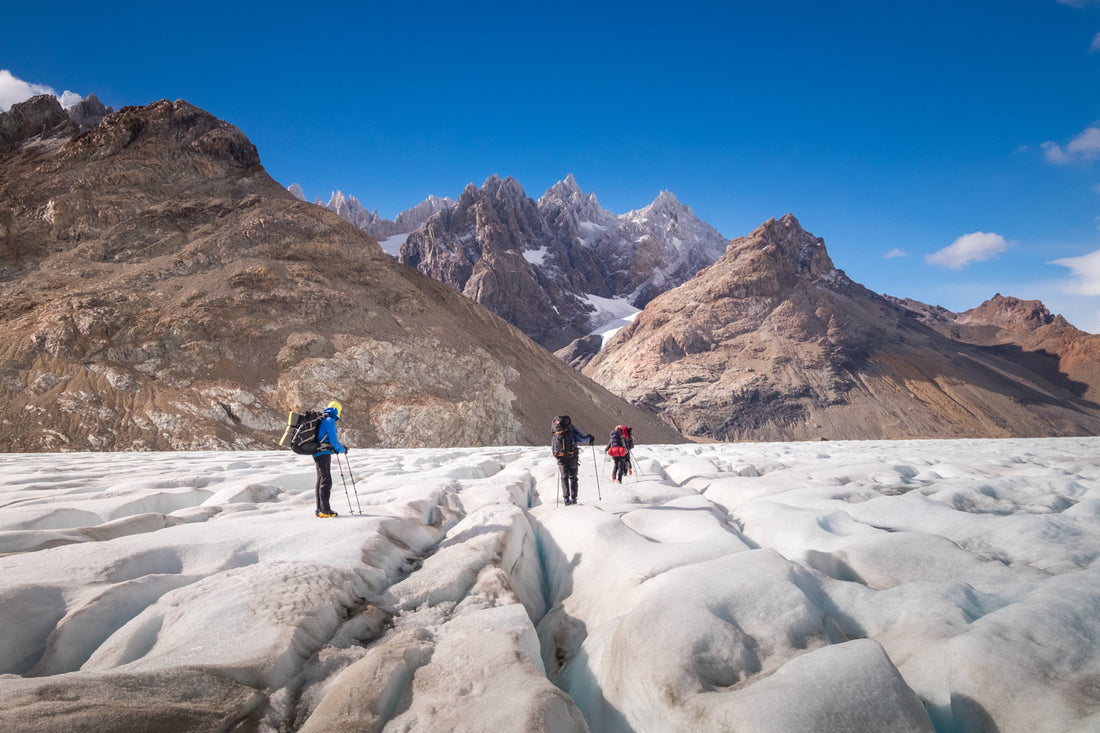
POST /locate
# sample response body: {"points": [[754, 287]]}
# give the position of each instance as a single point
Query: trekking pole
{"points": [[353, 486], [597, 468], [345, 482]]}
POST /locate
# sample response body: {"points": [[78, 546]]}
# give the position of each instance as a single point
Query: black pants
{"points": [[324, 482], [622, 464], [567, 470]]}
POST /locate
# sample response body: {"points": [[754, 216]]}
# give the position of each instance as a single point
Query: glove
{"points": [[345, 450], [590, 438]]}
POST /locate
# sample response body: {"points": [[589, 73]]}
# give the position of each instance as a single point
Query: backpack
{"points": [[628, 439], [563, 444], [301, 432], [616, 447]]}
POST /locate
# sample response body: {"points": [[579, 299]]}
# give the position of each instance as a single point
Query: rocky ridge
{"points": [[351, 210], [536, 263], [773, 342], [162, 292], [1024, 330]]}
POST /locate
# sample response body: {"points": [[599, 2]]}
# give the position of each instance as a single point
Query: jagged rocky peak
{"points": [[666, 203], [352, 210], [89, 112], [1011, 314], [38, 116], [503, 188], [410, 219], [567, 194], [781, 251], [574, 217]]}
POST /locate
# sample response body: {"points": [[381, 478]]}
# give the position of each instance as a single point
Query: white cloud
{"points": [[969, 248], [895, 252], [1085, 146], [1086, 273], [68, 99], [1053, 153], [14, 90], [1095, 45]]}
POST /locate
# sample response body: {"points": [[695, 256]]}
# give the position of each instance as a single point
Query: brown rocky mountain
{"points": [[772, 342], [1026, 331], [161, 291]]}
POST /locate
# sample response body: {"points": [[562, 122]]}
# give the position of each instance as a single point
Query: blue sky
{"points": [[945, 151]]}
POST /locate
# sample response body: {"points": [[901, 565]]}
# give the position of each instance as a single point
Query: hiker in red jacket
{"points": [[618, 447]]}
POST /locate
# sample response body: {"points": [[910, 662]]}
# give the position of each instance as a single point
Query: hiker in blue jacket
{"points": [[326, 436]]}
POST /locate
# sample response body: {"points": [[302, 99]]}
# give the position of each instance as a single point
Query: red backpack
{"points": [[628, 438]]}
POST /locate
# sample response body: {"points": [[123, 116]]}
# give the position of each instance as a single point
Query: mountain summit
{"points": [[773, 342]]}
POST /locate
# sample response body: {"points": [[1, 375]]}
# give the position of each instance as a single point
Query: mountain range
{"points": [[351, 210], [758, 338], [161, 292], [540, 264], [773, 342]]}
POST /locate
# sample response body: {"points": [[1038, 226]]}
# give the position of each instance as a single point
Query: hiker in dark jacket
{"points": [[619, 452], [326, 436], [563, 444]]}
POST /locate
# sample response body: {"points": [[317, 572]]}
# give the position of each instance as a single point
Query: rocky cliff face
{"points": [[161, 291], [491, 246], [536, 263], [772, 342]]}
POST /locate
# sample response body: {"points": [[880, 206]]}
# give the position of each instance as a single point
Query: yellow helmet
{"points": [[336, 405]]}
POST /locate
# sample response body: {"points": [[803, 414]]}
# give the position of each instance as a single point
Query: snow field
{"points": [[906, 585]]}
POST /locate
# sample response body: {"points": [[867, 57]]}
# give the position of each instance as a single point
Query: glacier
{"points": [[885, 585]]}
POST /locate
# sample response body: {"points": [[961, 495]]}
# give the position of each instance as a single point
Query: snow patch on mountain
{"points": [[610, 315], [536, 256], [392, 245]]}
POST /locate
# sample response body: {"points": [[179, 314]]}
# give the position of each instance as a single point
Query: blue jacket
{"points": [[326, 434], [580, 438]]}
